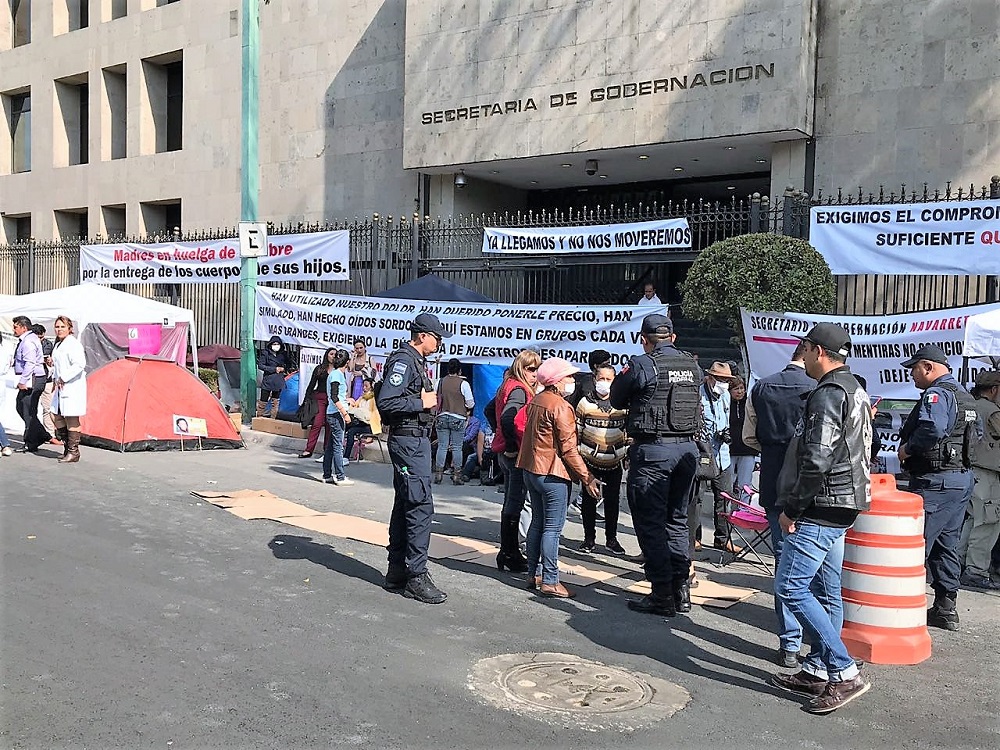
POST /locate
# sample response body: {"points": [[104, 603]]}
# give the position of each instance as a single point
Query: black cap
{"points": [[930, 352], [598, 357], [830, 336], [429, 323], [657, 323]]}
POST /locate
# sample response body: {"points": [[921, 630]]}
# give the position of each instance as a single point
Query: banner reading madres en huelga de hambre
{"points": [[313, 256], [485, 333], [599, 238]]}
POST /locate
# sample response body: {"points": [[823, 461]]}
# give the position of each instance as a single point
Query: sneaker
{"points": [[838, 694], [800, 683], [586, 547], [6, 451], [347, 462], [615, 548], [787, 659], [319, 460], [329, 480], [983, 583], [345, 482], [422, 589]]}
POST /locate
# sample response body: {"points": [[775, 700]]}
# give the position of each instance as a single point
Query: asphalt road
{"points": [[136, 616]]}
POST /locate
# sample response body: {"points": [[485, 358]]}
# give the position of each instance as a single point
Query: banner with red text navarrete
{"points": [[954, 238], [879, 344], [485, 333], [600, 238], [316, 256]]}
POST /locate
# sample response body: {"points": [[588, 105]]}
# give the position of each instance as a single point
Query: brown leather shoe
{"points": [[800, 683], [838, 694], [55, 441], [558, 591]]}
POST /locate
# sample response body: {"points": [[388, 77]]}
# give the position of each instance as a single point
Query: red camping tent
{"points": [[133, 404]]}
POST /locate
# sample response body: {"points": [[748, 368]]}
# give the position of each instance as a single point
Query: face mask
{"points": [[275, 347], [570, 388], [539, 388], [603, 388], [721, 387]]}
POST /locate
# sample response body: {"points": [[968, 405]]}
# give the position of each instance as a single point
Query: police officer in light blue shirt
{"points": [[934, 449]]}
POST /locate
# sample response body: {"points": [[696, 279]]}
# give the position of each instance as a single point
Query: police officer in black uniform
{"points": [[404, 401], [933, 448], [660, 391]]}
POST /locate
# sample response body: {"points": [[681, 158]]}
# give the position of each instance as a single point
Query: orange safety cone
{"points": [[884, 584]]}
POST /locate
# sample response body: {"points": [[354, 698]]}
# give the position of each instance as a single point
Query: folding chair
{"points": [[364, 440], [744, 517]]}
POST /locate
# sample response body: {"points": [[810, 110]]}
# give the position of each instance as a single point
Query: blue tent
{"points": [[485, 378]]}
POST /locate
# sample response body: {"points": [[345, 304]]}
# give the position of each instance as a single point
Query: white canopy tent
{"points": [[85, 304], [982, 337]]}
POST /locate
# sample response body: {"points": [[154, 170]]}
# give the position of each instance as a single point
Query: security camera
{"points": [[591, 167], [460, 180]]}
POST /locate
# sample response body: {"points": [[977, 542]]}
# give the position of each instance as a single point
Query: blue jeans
{"points": [[808, 583], [333, 454], [450, 435], [549, 501], [789, 630]]}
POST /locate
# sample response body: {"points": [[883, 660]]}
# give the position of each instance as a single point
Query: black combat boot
{"points": [[395, 578], [943, 613], [422, 589], [655, 603], [682, 595]]}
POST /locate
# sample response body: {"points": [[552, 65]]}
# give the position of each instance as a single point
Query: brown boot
{"points": [[72, 448], [438, 476], [457, 478], [63, 434], [261, 405]]}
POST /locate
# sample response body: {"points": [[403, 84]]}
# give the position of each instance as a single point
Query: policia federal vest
{"points": [[954, 451], [672, 408]]}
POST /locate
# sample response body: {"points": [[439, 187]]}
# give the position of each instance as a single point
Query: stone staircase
{"points": [[710, 343]]}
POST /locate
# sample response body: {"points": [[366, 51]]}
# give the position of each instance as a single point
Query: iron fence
{"points": [[387, 251]]}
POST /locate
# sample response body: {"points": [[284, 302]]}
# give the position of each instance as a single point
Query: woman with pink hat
{"points": [[551, 461]]}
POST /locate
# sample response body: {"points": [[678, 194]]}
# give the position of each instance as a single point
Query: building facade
{"points": [[123, 116]]}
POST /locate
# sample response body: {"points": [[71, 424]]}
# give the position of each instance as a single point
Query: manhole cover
{"points": [[577, 686], [569, 690]]}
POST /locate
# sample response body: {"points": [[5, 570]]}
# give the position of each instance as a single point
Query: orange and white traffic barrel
{"points": [[884, 584]]}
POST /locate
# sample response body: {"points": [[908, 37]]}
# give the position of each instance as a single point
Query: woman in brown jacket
{"points": [[550, 461]]}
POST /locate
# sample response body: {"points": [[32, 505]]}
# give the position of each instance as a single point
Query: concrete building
{"points": [[124, 115]]}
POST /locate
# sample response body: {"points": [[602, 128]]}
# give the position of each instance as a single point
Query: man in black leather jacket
{"points": [[823, 485]]}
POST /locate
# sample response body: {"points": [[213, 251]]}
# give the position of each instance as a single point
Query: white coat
{"points": [[69, 367]]}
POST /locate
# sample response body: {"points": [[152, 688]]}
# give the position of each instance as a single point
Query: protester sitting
{"points": [[482, 461], [603, 445], [365, 419], [275, 363], [550, 459]]}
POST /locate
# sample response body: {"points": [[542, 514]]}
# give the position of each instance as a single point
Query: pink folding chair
{"points": [[749, 524]]}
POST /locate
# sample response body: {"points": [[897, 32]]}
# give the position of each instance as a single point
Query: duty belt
{"points": [[409, 431], [662, 438]]}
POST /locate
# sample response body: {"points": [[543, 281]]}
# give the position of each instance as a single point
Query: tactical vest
{"points": [[953, 452], [673, 407], [986, 452]]}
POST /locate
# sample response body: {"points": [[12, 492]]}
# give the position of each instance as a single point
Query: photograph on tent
{"points": [[142, 404]]}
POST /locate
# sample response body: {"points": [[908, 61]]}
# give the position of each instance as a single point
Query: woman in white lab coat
{"points": [[69, 378]]}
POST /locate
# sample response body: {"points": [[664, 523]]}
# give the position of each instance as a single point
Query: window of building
{"points": [[113, 219], [17, 228], [70, 15], [17, 107], [162, 99], [71, 141], [112, 9], [114, 109], [71, 224], [20, 14], [161, 218]]}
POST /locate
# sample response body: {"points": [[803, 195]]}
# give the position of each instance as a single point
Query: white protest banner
{"points": [[959, 238], [485, 333], [879, 343], [316, 256], [602, 238], [308, 359]]}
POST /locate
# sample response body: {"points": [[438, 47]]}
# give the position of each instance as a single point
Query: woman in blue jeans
{"points": [[550, 461], [337, 418]]}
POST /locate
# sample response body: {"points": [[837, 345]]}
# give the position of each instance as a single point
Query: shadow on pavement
{"points": [[290, 547]]}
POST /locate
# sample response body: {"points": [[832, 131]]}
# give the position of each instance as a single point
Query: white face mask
{"points": [[721, 387], [603, 388], [569, 388], [275, 347]]}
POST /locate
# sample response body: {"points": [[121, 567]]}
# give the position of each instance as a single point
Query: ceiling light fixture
{"points": [[566, 165], [730, 148], [730, 187], [534, 182], [603, 176], [643, 157], [678, 169], [762, 160]]}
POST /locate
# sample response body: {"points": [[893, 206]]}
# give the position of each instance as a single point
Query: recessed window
{"points": [[113, 219], [70, 15], [17, 108], [17, 228], [20, 14], [71, 224], [162, 124], [112, 9], [71, 144], [114, 109], [161, 218]]}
